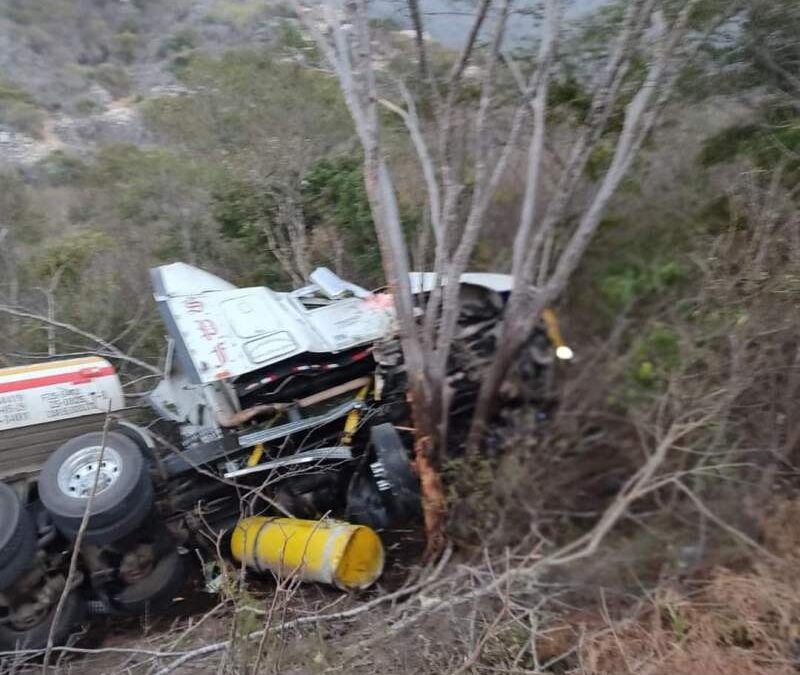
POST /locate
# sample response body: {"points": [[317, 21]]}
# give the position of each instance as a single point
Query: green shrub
{"points": [[599, 161], [728, 143], [568, 92], [181, 41], [23, 117], [626, 281], [67, 254], [114, 78], [13, 93], [125, 45], [655, 354], [290, 36], [63, 169], [85, 106], [236, 13], [18, 208], [18, 109]]}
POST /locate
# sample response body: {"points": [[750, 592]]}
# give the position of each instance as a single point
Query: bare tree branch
{"points": [[106, 348]]}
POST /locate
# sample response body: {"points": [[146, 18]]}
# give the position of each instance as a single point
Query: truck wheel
{"points": [[156, 591], [35, 631], [107, 534], [124, 491], [364, 503], [397, 483], [385, 492], [17, 537]]}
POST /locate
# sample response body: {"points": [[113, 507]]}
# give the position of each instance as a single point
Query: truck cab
{"points": [[270, 403]]}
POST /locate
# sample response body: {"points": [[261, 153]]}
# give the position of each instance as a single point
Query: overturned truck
{"points": [[270, 403]]}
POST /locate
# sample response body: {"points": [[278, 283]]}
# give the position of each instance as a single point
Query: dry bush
{"points": [[743, 622]]}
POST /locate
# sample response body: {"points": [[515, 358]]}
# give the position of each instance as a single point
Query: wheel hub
{"points": [[137, 564], [29, 615], [76, 477], [36, 608]]}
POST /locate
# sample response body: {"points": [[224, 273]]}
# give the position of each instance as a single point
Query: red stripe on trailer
{"points": [[82, 376]]}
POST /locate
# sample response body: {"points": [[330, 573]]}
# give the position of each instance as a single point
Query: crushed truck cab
{"points": [[271, 403]]}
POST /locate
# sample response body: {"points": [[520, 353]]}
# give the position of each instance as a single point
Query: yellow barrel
{"points": [[329, 551]]}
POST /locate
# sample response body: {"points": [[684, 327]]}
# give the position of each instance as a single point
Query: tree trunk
{"points": [[425, 404], [513, 337]]}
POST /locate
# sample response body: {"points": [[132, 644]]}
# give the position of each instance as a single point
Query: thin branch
{"points": [[76, 548], [536, 148], [713, 517], [411, 120], [108, 349]]}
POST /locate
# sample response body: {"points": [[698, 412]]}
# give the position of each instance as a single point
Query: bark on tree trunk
{"points": [[423, 408], [514, 336]]}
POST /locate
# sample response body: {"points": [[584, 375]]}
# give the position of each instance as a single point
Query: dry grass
{"points": [[744, 622]]}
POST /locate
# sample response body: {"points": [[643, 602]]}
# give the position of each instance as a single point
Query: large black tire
{"points": [[156, 591], [396, 481], [114, 503], [37, 636], [364, 503], [17, 538], [107, 534], [384, 491]]}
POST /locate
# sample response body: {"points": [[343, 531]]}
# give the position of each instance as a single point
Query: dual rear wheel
{"points": [[114, 470], [109, 477], [28, 597]]}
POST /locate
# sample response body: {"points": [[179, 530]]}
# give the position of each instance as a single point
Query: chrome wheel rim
{"points": [[77, 475]]}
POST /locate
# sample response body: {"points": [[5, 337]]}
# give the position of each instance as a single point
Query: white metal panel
{"points": [[225, 332], [179, 279], [247, 316], [270, 347], [424, 282], [229, 333], [502, 283], [349, 323], [58, 390]]}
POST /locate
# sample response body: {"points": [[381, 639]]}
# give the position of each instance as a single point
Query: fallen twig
{"points": [[302, 621]]}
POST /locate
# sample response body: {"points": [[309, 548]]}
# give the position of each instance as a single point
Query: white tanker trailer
{"points": [[270, 403], [41, 403]]}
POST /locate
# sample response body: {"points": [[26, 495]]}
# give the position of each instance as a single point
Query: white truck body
{"points": [[57, 390], [44, 404], [223, 332]]}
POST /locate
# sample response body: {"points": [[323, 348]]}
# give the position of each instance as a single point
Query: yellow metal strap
{"points": [[353, 418], [256, 455], [553, 331]]}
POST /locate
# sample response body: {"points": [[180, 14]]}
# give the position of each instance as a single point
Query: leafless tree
{"points": [[287, 234], [552, 234]]}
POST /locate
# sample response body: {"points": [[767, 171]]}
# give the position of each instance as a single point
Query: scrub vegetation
{"points": [[648, 522]]}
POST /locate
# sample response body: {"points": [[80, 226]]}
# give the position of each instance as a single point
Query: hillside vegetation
{"points": [[139, 133]]}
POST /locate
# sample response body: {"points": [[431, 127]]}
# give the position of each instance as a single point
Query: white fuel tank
{"points": [[58, 390]]}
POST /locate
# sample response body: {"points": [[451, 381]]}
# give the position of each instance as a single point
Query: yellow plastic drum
{"points": [[332, 552]]}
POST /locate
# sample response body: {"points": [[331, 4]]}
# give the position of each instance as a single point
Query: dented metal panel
{"points": [[229, 333], [222, 332]]}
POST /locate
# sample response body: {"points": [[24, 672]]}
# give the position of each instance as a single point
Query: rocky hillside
{"points": [[74, 73]]}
